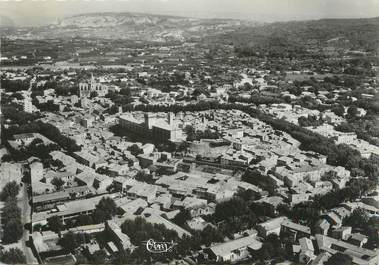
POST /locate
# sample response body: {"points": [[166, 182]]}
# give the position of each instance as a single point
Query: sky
{"points": [[37, 12]]}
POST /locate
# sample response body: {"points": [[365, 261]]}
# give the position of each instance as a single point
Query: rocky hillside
{"points": [[141, 26], [99, 20]]}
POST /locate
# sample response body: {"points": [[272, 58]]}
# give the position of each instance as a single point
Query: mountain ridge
{"points": [[119, 18], [141, 26]]}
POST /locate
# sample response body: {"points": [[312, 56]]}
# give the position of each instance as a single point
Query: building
{"points": [[272, 226], [121, 240], [360, 256], [342, 232], [358, 239], [144, 191], [49, 200], [27, 103], [294, 230], [322, 227], [89, 229], [159, 129], [236, 158], [86, 158], [86, 88], [131, 207], [234, 250], [321, 258], [45, 244], [94, 180], [62, 157], [68, 210], [123, 184], [306, 250], [152, 217]]}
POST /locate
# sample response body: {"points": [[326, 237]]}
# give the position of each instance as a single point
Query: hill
{"points": [[302, 36], [137, 26]]}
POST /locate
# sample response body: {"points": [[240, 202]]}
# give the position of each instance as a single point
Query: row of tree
{"points": [[17, 115], [11, 215], [310, 121], [12, 256]]}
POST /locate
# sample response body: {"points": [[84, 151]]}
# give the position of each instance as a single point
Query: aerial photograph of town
{"points": [[189, 132]]}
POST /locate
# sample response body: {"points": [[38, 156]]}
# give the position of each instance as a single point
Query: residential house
{"points": [[234, 250]]}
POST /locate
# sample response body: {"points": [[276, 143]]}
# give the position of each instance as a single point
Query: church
{"points": [[86, 88]]}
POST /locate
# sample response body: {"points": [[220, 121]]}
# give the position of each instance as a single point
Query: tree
{"points": [[190, 132], [121, 258], [11, 210], [58, 183], [57, 163], [98, 257], [11, 189], [182, 217], [272, 248], [352, 112], [140, 230], [339, 259], [230, 208], [6, 158], [55, 224], [144, 177], [255, 177], [13, 256], [309, 121], [372, 232], [358, 219], [69, 241], [210, 235], [248, 195], [135, 150], [12, 231], [263, 209], [85, 220], [12, 221], [125, 91], [189, 243], [105, 210]]}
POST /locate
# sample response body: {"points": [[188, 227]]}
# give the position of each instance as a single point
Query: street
{"points": [[23, 203]]}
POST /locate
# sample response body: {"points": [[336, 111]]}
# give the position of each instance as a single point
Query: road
{"points": [[23, 203]]}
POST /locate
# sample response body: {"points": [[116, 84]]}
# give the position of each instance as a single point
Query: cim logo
{"points": [[159, 247]]}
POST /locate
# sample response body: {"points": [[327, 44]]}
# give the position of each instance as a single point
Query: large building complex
{"points": [[161, 130]]}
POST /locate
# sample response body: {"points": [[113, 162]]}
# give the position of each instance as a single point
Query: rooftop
{"points": [[297, 227], [359, 255], [227, 247], [64, 194]]}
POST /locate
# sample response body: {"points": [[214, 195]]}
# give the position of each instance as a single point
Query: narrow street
{"points": [[23, 203]]}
